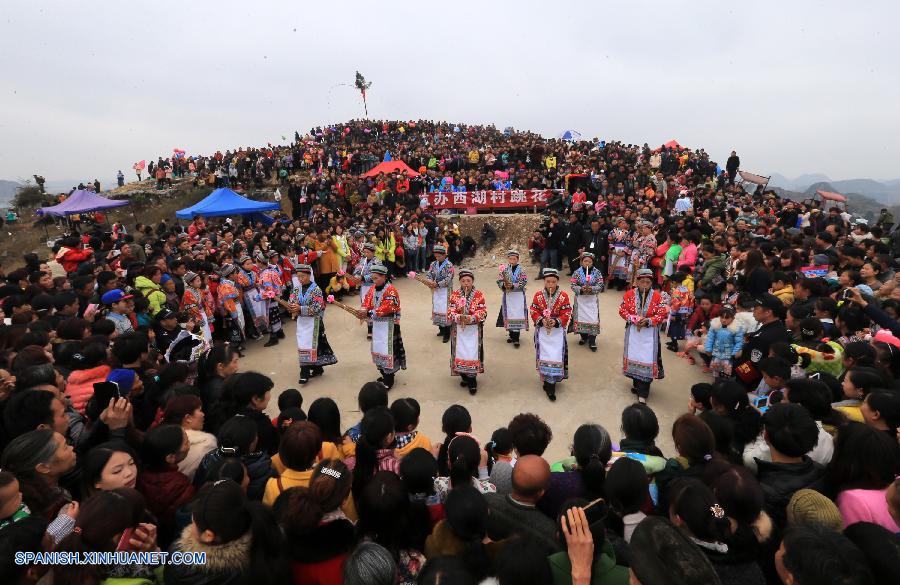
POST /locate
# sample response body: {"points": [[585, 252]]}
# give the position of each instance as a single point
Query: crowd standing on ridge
{"points": [[129, 422]]}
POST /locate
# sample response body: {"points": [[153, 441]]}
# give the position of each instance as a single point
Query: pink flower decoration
{"points": [[330, 298], [411, 274], [502, 267], [341, 273], [589, 279], [547, 312]]}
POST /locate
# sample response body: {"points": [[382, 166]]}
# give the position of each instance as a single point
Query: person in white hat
{"points": [[467, 313], [550, 313], [440, 280], [587, 283], [620, 239], [644, 310], [308, 302], [382, 307], [363, 275], [513, 314]]}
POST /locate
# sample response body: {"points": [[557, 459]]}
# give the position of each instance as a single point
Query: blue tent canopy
{"points": [[225, 202]]}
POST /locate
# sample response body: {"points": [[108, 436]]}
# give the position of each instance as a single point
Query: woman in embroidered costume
{"points": [[363, 272], [440, 281], [620, 254], [313, 350], [192, 302], [644, 310], [587, 282], [467, 313], [550, 314], [643, 247], [513, 316], [382, 307], [245, 280], [229, 298], [270, 287]]}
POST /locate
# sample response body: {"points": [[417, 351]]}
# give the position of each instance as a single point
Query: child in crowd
{"points": [[499, 448], [783, 287], [290, 402], [699, 402], [723, 342], [406, 413], [681, 307]]}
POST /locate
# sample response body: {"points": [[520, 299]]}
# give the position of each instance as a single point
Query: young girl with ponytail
{"points": [[464, 459]]}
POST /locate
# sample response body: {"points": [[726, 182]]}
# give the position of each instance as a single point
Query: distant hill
{"points": [[858, 203], [8, 191], [886, 192]]}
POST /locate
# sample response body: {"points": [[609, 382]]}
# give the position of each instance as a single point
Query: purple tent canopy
{"points": [[80, 202]]}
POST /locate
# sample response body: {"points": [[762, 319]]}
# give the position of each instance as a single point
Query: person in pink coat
{"points": [[688, 256], [88, 367]]}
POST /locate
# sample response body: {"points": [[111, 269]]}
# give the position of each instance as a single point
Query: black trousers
{"points": [[641, 388]]}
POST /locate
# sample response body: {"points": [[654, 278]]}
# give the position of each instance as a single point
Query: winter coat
{"points": [[724, 342], [70, 258], [259, 468], [779, 481], [152, 292], [226, 564], [201, 444], [80, 385], [785, 295], [164, 492], [317, 557], [605, 571]]}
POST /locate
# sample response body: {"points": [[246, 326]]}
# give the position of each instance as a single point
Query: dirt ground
{"points": [[595, 392]]}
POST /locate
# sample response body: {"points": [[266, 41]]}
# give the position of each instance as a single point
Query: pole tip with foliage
{"points": [[362, 85]]}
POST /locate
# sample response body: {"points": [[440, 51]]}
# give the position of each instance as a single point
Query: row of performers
{"points": [[461, 321]]}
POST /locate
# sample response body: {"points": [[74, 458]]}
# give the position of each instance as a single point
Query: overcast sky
{"points": [[794, 86]]}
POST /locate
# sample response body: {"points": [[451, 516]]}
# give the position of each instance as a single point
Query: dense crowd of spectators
{"points": [[129, 422]]}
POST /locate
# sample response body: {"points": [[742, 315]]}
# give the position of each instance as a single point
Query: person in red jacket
{"points": [[165, 488], [71, 254]]}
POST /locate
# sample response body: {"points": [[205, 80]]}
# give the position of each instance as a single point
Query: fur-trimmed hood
{"points": [[716, 323], [230, 557]]}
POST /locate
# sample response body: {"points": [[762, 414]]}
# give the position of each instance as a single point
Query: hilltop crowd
{"points": [[129, 421]]}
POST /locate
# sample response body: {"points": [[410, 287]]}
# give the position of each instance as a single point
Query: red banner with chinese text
{"points": [[490, 199]]}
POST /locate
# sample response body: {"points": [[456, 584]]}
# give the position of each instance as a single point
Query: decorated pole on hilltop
{"points": [[362, 85]]}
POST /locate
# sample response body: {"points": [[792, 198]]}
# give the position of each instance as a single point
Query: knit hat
{"points": [[587, 255], [379, 269], [165, 278], [550, 272], [304, 268], [122, 378], [512, 253], [369, 246], [644, 273], [810, 508], [227, 269], [466, 272], [440, 250], [189, 277]]}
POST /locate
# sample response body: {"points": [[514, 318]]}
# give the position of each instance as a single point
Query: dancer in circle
{"points": [[513, 312], [362, 273], [382, 307], [270, 286], [587, 283], [620, 240], [439, 278], [467, 314], [307, 302], [550, 313], [644, 310]]}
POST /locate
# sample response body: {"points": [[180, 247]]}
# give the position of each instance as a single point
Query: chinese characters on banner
{"points": [[490, 199]]}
